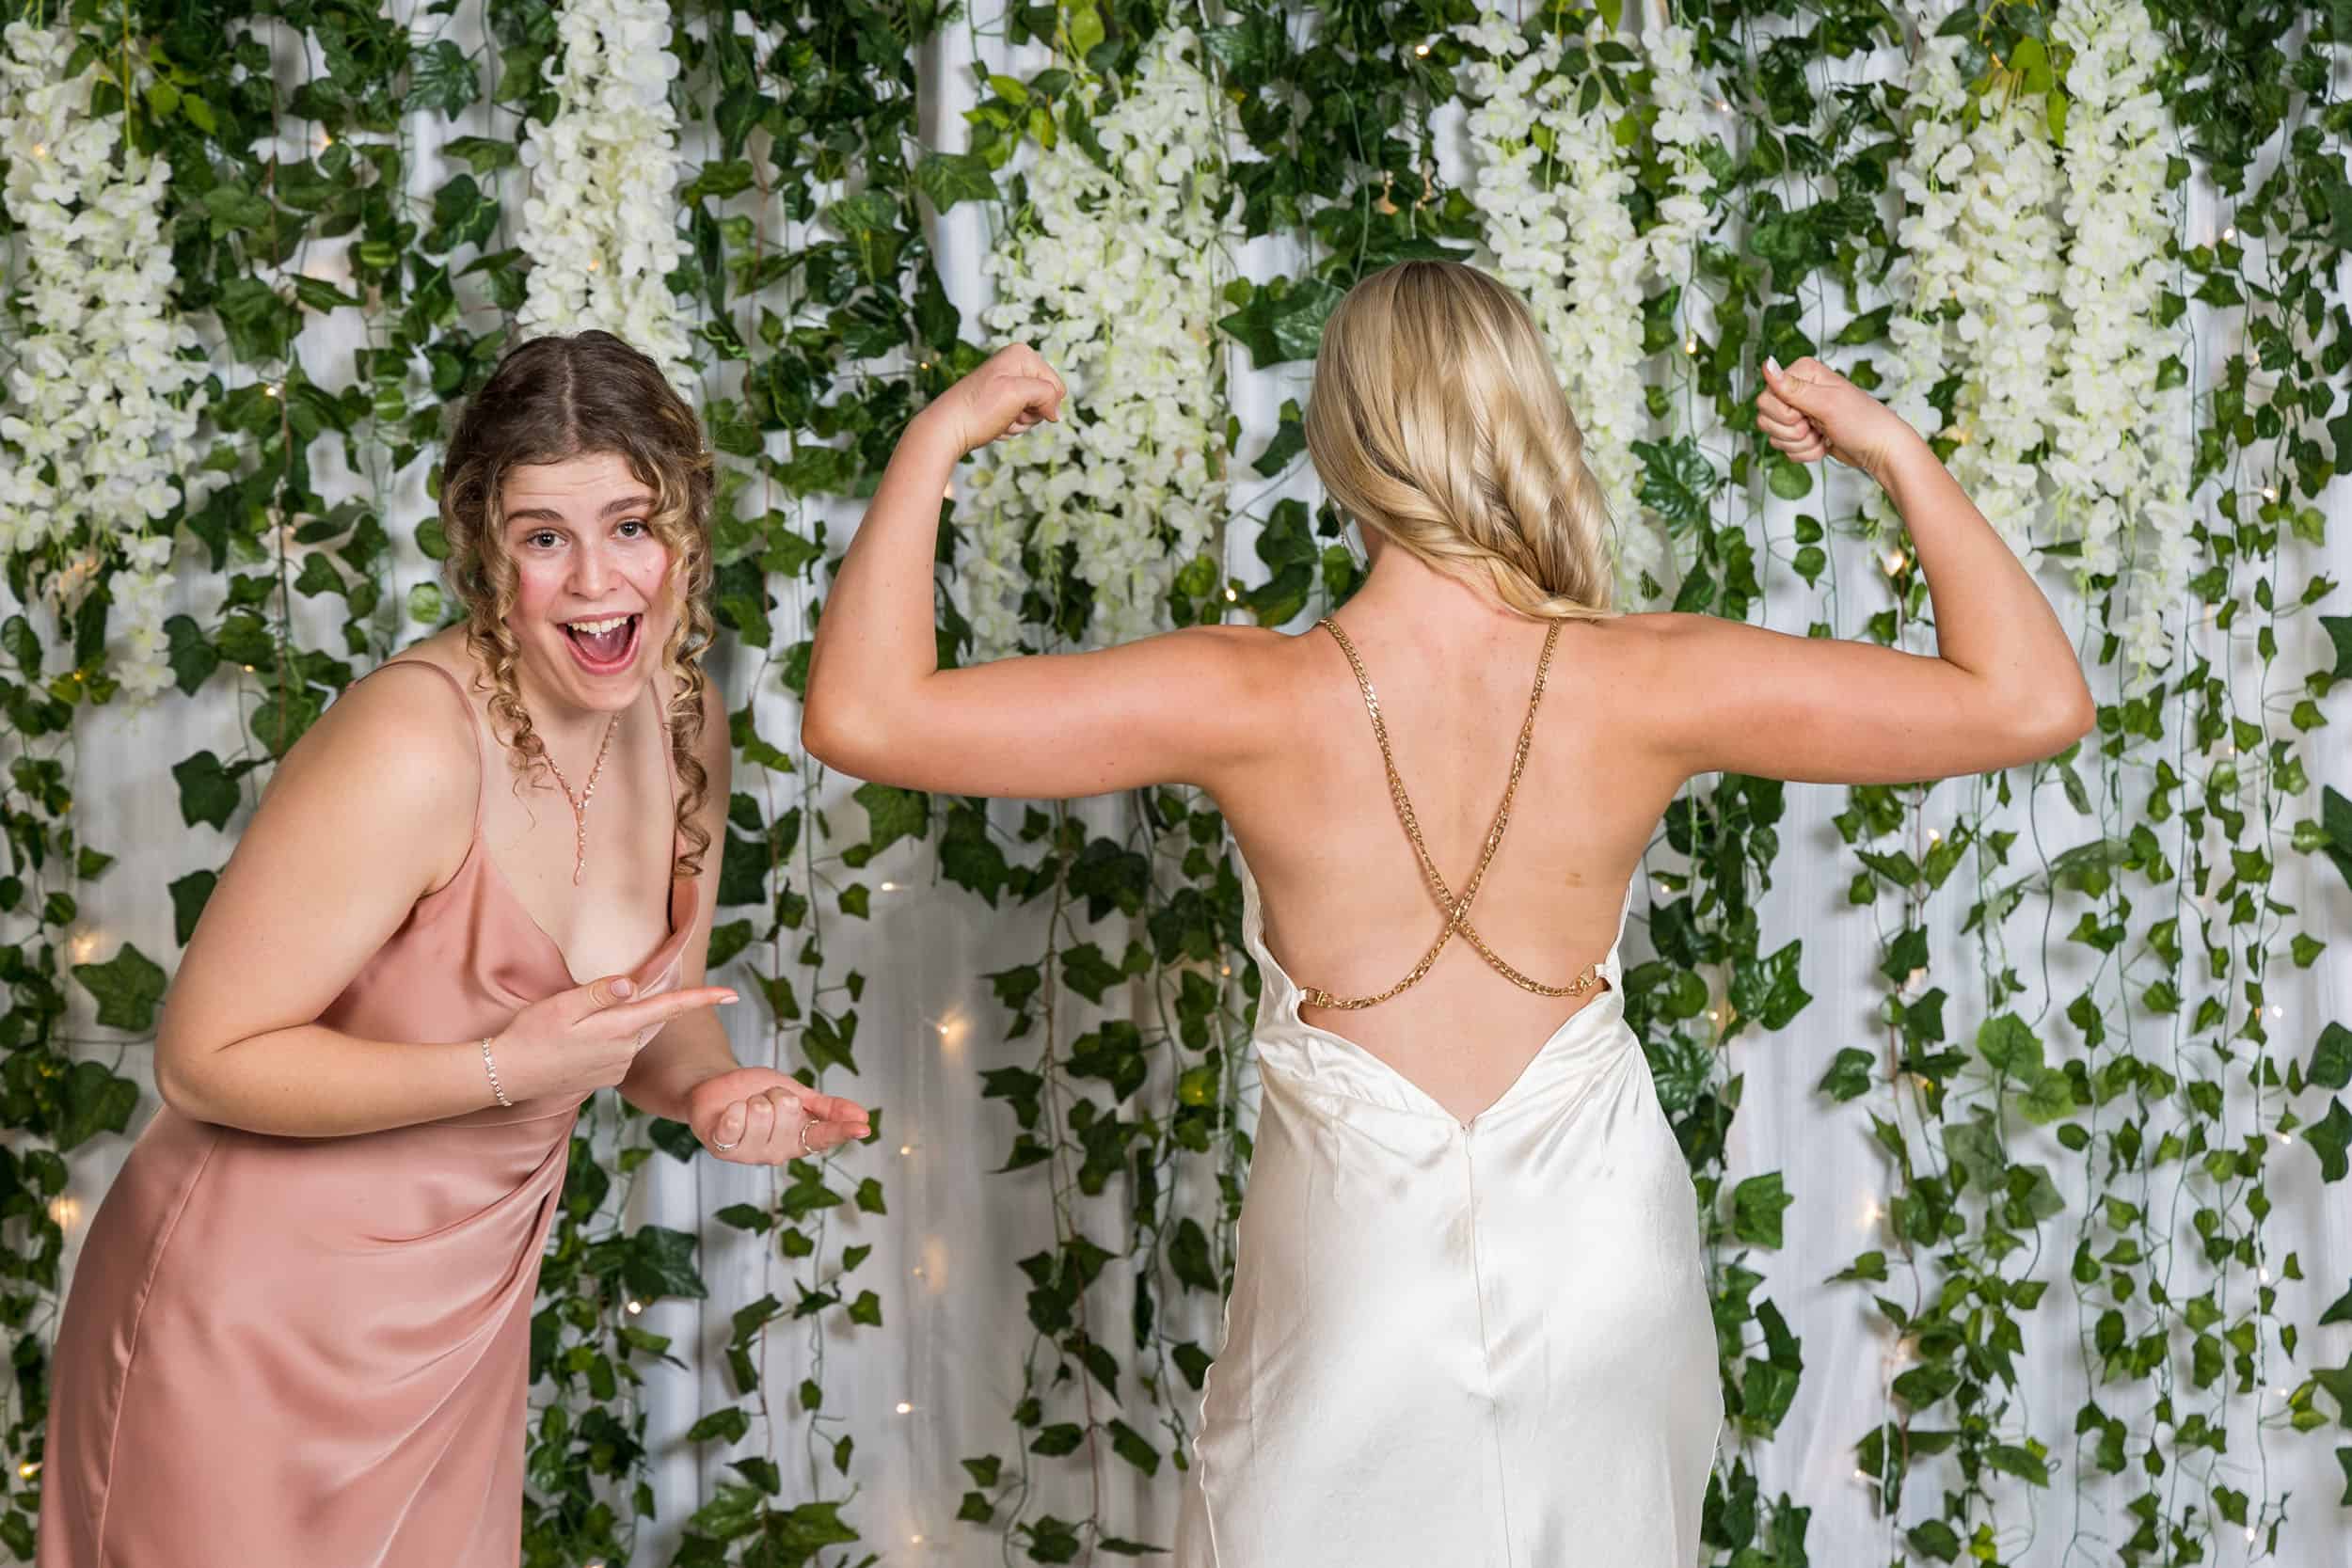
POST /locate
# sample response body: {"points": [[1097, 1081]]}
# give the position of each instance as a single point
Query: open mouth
{"points": [[604, 646]]}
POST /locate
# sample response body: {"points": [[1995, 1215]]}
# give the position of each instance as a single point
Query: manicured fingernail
{"points": [[1771, 364], [622, 988], [730, 997]]}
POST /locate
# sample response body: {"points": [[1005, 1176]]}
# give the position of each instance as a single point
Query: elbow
{"points": [[173, 1082], [842, 741], [2063, 724]]}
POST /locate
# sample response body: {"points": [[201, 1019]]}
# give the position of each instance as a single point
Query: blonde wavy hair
{"points": [[559, 397], [1436, 418]]}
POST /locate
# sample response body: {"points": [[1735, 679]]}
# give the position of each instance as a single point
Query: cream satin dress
{"points": [[1457, 1346]]}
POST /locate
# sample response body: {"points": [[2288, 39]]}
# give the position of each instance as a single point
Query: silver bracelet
{"points": [[492, 1068]]}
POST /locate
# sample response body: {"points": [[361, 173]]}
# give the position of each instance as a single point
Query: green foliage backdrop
{"points": [[2073, 1067]]}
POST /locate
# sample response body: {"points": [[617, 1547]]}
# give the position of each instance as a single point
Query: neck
{"points": [[1437, 603], [564, 727]]}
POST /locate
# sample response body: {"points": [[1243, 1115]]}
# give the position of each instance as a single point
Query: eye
{"points": [[542, 538], [636, 524]]}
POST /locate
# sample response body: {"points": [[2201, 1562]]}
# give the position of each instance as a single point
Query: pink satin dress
{"points": [[313, 1353]]}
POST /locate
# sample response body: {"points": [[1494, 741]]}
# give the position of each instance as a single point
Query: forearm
{"points": [[693, 1049], [312, 1082], [1991, 619], [878, 636]]}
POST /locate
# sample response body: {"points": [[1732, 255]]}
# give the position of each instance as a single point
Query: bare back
{"points": [[1348, 904]]}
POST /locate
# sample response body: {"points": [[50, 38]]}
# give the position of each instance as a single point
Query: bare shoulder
{"points": [[398, 736]]}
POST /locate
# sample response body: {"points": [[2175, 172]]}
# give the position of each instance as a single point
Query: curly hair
{"points": [[560, 396]]}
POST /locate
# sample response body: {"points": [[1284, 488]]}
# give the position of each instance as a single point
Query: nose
{"points": [[591, 572]]}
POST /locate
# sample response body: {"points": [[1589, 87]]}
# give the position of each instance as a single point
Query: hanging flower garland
{"points": [[1530, 204], [2121, 456], [1115, 278], [1681, 128], [2008, 291], [601, 224], [101, 442], [1929, 264]]}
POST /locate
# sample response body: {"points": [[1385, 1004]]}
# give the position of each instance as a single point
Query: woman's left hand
{"points": [[753, 1115], [1009, 393]]}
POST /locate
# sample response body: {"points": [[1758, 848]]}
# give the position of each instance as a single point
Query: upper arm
{"points": [[1182, 707], [715, 750], [366, 812], [1722, 696]]}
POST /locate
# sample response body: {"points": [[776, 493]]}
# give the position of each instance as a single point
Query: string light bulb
{"points": [[2229, 231], [905, 1409], [41, 149], [1422, 50], [888, 887], [1894, 562], [30, 1469], [1690, 344], [596, 264], [635, 1308], [2270, 492]]}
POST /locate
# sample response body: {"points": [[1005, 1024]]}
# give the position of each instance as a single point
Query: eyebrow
{"points": [[549, 515]]}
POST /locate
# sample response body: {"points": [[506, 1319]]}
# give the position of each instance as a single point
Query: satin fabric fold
{"points": [[1483, 1345], [296, 1352]]}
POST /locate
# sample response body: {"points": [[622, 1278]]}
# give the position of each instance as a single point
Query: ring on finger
{"points": [[806, 1123], [716, 1144]]}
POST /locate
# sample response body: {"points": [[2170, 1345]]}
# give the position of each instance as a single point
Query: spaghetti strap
{"points": [[464, 703], [1456, 909]]}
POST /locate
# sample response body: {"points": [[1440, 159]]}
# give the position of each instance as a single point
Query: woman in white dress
{"points": [[1469, 1321]]}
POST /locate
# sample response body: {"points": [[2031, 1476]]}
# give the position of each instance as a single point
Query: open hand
{"points": [[754, 1116], [1809, 411], [1011, 392]]}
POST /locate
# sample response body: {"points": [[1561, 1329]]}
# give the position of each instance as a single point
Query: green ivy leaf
{"points": [[2328, 1138], [207, 792], [2331, 1058], [892, 814], [127, 987], [1282, 319], [948, 178], [90, 1101], [867, 1310], [440, 77], [1756, 1205], [1849, 1075], [661, 1263], [188, 898]]}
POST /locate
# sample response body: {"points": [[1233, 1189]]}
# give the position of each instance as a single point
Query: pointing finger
{"points": [[653, 1011]]}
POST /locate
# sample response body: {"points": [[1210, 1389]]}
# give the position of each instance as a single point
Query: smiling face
{"points": [[593, 604]]}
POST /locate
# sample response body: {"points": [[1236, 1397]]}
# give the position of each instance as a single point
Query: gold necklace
{"points": [[580, 803]]}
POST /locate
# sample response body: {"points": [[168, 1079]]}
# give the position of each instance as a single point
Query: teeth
{"points": [[592, 628]]}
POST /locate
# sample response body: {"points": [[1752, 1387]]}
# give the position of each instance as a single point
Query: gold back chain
{"points": [[1458, 911]]}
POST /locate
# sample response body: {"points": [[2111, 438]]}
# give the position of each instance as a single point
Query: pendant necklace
{"points": [[580, 803]]}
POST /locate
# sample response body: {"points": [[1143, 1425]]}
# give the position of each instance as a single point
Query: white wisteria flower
{"points": [[1586, 295], [1113, 274], [2119, 453], [105, 397], [601, 224], [1682, 127]]}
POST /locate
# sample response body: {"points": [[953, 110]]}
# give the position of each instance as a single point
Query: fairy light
{"points": [[1231, 596], [915, 1540], [905, 1409], [66, 1210], [1422, 50], [1225, 970], [1871, 1213], [269, 389], [596, 264], [2270, 492], [1935, 835], [905, 1149], [30, 1469], [1723, 105], [82, 946], [889, 887], [947, 491], [41, 149], [1894, 562], [635, 1308], [2229, 231], [1690, 344]]}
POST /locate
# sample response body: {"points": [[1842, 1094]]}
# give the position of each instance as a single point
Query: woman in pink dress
{"points": [[300, 1330]]}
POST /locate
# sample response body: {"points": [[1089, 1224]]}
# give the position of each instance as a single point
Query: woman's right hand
{"points": [[583, 1039], [1809, 411]]}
